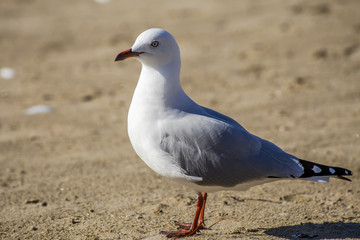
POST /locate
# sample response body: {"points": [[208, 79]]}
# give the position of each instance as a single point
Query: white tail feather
{"points": [[318, 178]]}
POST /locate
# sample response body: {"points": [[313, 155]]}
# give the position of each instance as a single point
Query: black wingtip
{"points": [[344, 178], [317, 170]]}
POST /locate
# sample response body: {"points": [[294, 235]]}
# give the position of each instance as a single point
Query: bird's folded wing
{"points": [[221, 153]]}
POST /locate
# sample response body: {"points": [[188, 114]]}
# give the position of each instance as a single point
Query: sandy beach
{"points": [[288, 71]]}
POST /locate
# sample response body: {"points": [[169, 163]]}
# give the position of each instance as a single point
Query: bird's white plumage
{"points": [[186, 142], [195, 145]]}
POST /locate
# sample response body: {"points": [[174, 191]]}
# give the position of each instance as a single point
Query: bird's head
{"points": [[154, 47]]}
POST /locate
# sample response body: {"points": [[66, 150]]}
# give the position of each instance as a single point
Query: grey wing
{"points": [[224, 154], [222, 117]]}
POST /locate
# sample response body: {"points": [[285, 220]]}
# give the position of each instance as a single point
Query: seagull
{"points": [[195, 145]]}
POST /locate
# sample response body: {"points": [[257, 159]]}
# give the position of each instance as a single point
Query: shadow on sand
{"points": [[339, 230]]}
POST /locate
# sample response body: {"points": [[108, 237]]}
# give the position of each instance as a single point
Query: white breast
{"points": [[145, 138]]}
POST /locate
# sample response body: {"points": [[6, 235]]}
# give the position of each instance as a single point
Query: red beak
{"points": [[126, 54]]}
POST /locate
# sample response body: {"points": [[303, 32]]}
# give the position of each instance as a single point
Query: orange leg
{"points": [[202, 213], [201, 221], [198, 223]]}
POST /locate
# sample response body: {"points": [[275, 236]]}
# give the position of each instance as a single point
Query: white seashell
{"points": [[39, 109], [102, 1], [7, 73]]}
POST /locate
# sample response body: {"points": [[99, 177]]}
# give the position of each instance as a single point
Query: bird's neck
{"points": [[160, 85]]}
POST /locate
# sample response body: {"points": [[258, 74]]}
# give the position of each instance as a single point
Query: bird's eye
{"points": [[155, 44]]}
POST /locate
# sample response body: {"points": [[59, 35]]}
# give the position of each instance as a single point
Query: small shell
{"points": [[39, 109], [7, 73]]}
